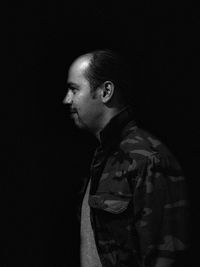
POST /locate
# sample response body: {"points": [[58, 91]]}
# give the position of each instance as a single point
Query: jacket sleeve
{"points": [[161, 208]]}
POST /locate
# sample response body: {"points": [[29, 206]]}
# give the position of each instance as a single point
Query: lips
{"points": [[72, 111]]}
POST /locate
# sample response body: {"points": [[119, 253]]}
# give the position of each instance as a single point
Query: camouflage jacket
{"points": [[137, 197]]}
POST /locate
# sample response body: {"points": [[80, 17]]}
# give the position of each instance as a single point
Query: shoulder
{"points": [[139, 142], [144, 147]]}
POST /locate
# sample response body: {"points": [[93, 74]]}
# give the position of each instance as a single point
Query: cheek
{"points": [[82, 101]]}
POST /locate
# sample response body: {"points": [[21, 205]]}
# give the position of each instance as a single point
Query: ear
{"points": [[107, 91]]}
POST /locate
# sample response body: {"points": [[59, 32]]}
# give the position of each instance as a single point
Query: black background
{"points": [[44, 156]]}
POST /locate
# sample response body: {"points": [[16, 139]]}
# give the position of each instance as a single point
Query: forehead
{"points": [[78, 68]]}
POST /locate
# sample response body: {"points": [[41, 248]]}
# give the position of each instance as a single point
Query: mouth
{"points": [[72, 111]]}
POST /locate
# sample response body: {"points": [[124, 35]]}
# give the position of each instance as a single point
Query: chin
{"points": [[79, 124]]}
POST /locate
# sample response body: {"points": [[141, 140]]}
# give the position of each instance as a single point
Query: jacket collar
{"points": [[114, 129]]}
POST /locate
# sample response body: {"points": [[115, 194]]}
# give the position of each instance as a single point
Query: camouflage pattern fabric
{"points": [[137, 197]]}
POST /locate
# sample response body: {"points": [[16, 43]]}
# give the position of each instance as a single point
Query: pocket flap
{"points": [[110, 203]]}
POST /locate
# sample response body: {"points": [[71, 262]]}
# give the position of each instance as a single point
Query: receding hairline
{"points": [[91, 54], [87, 56]]}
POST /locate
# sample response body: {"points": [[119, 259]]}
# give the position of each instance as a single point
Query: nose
{"points": [[68, 98]]}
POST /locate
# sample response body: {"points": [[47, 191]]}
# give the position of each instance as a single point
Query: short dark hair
{"points": [[107, 65]]}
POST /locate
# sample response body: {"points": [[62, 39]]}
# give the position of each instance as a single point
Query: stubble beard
{"points": [[78, 121]]}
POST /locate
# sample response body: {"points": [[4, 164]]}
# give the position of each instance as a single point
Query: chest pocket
{"points": [[108, 203], [115, 187], [113, 195]]}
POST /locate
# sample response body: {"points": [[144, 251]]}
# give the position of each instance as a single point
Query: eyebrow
{"points": [[72, 85]]}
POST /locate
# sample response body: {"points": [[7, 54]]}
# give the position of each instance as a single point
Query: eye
{"points": [[71, 90], [74, 90]]}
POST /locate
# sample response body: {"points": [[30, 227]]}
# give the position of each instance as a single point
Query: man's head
{"points": [[96, 89], [106, 65]]}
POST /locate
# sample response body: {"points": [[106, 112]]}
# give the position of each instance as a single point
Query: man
{"points": [[134, 208]]}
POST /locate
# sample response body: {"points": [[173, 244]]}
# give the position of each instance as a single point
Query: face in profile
{"points": [[85, 108]]}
